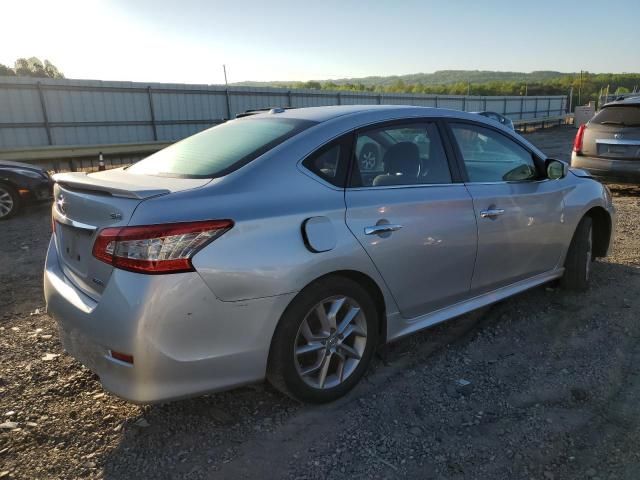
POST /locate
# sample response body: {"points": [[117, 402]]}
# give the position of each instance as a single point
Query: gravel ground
{"points": [[552, 393]]}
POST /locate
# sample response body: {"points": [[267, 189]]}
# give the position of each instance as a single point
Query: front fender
{"points": [[585, 195]]}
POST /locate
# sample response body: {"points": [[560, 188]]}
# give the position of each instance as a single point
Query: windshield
{"points": [[628, 116], [221, 149]]}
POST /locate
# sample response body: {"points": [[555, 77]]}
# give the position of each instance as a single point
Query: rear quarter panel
{"points": [[264, 254]]}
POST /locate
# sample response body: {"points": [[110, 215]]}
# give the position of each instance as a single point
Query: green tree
{"points": [[6, 71], [31, 67]]}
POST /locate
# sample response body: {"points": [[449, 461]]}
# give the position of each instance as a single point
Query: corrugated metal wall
{"points": [[42, 112]]}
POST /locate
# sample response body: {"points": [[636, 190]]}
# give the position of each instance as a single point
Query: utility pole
{"points": [[224, 69], [580, 90], [599, 98], [468, 88], [570, 99]]}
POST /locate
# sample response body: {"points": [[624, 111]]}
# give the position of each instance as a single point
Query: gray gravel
{"points": [[542, 386]]}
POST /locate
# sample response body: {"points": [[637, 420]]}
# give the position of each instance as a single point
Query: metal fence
{"points": [[47, 112]]}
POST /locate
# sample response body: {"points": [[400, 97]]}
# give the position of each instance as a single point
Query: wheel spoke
{"points": [[323, 318], [353, 330], [340, 371], [328, 319], [322, 377], [316, 366], [333, 312], [348, 318], [309, 347], [308, 335], [349, 351]]}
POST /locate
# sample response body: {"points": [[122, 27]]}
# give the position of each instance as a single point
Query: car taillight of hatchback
{"points": [[577, 142]]}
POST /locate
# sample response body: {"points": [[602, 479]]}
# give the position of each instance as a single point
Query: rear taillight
{"points": [[166, 248], [577, 143]]}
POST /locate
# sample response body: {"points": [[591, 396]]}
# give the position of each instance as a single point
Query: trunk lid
{"points": [[84, 204]]}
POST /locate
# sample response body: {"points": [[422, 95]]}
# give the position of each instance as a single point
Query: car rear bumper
{"points": [[184, 341], [620, 171]]}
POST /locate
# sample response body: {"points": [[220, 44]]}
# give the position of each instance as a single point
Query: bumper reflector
{"points": [[123, 357]]}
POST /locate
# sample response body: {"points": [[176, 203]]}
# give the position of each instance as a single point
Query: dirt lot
{"points": [[554, 391]]}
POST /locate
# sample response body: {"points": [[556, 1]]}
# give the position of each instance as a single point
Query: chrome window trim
{"points": [[396, 187], [510, 182], [317, 178]]}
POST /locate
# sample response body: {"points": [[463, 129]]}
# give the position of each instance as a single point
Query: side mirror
{"points": [[556, 169]]}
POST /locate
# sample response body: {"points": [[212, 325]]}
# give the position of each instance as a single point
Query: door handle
{"points": [[492, 212], [382, 228]]}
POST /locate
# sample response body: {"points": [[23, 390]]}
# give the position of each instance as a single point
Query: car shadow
{"points": [[197, 437]]}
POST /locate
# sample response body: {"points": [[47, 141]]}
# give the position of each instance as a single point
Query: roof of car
{"points": [[8, 163], [322, 114], [624, 101]]}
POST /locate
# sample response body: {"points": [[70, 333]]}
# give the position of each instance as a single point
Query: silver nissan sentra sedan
{"points": [[271, 247]]}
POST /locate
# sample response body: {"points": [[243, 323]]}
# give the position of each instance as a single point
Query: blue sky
{"points": [[188, 41]]}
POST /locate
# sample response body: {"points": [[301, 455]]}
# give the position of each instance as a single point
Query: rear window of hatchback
{"points": [[622, 115], [220, 150]]}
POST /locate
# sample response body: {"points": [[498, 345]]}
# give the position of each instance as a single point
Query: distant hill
{"points": [[585, 87], [441, 77]]}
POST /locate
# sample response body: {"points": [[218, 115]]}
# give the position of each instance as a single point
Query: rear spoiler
{"points": [[80, 181]]}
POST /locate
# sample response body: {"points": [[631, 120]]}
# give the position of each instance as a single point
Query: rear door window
{"points": [[221, 149], [406, 154], [625, 116]]}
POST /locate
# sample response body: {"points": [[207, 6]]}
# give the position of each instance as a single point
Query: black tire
{"points": [[9, 201], [577, 265], [283, 370]]}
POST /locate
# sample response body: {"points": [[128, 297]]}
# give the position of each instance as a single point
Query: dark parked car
{"points": [[608, 146], [21, 183]]}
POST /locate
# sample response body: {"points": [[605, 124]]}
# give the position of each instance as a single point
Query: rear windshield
{"points": [[221, 149], [626, 116]]}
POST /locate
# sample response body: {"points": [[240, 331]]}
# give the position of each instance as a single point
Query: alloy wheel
{"points": [[6, 202], [330, 342], [368, 160]]}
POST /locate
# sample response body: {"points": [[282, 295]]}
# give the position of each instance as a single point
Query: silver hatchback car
{"points": [[261, 248]]}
